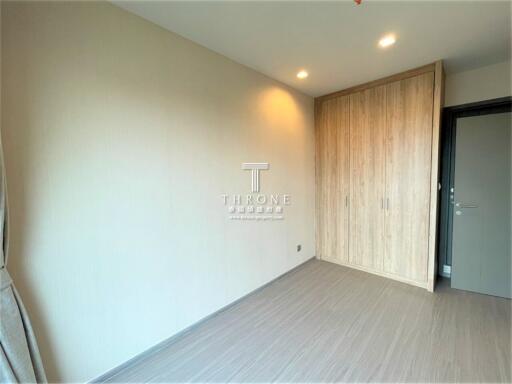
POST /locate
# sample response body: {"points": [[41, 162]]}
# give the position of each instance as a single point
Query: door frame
{"points": [[448, 136]]}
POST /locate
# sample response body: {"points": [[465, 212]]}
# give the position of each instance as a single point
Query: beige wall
{"points": [[120, 138], [485, 83]]}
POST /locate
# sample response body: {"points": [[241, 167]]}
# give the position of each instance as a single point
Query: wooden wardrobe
{"points": [[377, 148]]}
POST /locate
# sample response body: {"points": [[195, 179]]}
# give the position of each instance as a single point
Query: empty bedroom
{"points": [[255, 191]]}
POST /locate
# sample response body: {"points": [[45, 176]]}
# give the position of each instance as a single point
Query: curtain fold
{"points": [[20, 361]]}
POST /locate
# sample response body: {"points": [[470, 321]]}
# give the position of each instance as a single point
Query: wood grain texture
{"points": [[435, 174], [333, 180], [327, 323], [393, 166], [408, 171], [382, 273], [385, 80], [318, 180], [367, 177]]}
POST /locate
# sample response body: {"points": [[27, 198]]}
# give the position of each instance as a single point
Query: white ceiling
{"points": [[337, 41]]}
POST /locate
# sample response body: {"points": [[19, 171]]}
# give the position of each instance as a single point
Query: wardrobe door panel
{"points": [[408, 167], [367, 177], [333, 180]]}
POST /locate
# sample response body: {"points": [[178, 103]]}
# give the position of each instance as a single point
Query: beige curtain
{"points": [[20, 361]]}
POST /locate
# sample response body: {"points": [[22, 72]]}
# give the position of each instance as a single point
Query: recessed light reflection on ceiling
{"points": [[387, 41], [302, 74]]}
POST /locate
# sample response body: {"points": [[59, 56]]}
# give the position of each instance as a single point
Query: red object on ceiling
{"points": [[358, 2]]}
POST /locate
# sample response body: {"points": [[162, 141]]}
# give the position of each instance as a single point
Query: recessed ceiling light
{"points": [[387, 40], [302, 74]]}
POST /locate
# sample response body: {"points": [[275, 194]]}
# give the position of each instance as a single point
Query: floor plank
{"points": [[328, 323]]}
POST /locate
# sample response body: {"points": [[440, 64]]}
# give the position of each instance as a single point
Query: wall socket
{"points": [[299, 247]]}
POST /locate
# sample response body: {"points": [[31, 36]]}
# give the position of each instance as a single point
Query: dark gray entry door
{"points": [[481, 248]]}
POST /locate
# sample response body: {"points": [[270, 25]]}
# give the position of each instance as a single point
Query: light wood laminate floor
{"points": [[327, 323]]}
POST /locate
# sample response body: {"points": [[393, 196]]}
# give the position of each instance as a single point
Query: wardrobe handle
{"points": [[381, 203], [346, 201], [387, 203]]}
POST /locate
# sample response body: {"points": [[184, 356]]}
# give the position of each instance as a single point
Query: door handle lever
{"points": [[466, 205]]}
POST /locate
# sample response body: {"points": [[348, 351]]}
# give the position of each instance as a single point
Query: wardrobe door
{"points": [[408, 167], [367, 177], [333, 179]]}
